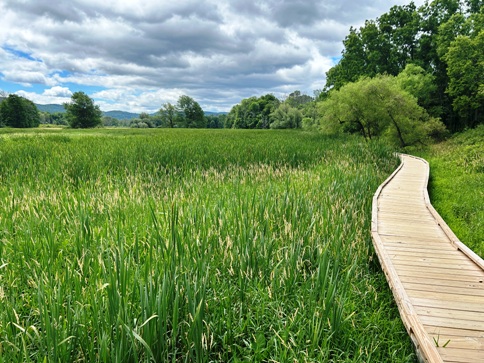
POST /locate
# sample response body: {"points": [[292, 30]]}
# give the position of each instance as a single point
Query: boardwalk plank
{"points": [[472, 316], [437, 281], [441, 281]]}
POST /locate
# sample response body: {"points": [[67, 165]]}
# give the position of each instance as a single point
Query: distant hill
{"points": [[120, 115], [210, 113], [52, 108]]}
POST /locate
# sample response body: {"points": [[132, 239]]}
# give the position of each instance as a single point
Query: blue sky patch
{"points": [[21, 54]]}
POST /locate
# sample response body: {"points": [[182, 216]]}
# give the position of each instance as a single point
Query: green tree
{"points": [[381, 46], [297, 99], [253, 113], [420, 84], [17, 111], [474, 6], [190, 113], [465, 60], [110, 121], [406, 35], [169, 114], [59, 118], [216, 121], [286, 117], [378, 107], [351, 64], [460, 45], [81, 111]]}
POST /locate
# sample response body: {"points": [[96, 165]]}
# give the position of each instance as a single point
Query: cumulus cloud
{"points": [[144, 53], [58, 91], [54, 95]]}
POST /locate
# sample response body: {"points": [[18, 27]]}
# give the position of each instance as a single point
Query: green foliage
{"points": [[286, 117], [81, 112], [19, 112], [169, 115], [465, 60], [252, 113], [56, 118], [426, 37], [456, 180], [216, 121], [420, 84], [183, 245], [297, 99], [189, 113], [377, 107], [109, 121], [383, 46]]}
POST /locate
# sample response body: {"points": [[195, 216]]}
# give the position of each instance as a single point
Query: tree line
{"points": [[254, 112]]}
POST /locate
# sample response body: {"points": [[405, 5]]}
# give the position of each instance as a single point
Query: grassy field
{"points": [[456, 185], [192, 246]]}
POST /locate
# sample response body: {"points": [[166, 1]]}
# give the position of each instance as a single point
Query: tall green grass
{"points": [[192, 246]]}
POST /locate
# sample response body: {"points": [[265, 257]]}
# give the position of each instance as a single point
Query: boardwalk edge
{"points": [[440, 221]]}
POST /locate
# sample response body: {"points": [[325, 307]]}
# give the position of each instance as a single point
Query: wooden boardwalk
{"points": [[437, 282]]}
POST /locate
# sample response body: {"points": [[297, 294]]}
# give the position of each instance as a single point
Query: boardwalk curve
{"points": [[437, 281]]}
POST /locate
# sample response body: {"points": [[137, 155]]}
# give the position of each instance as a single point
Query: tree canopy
{"points": [[253, 113], [17, 111], [81, 111], [378, 107], [286, 117], [169, 115], [190, 114], [442, 37], [465, 66]]}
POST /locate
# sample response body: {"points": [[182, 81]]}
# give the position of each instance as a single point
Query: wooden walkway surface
{"points": [[437, 282]]}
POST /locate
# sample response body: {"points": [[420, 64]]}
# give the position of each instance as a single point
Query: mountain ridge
{"points": [[117, 114]]}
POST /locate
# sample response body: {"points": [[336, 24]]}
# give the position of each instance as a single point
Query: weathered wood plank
{"points": [[462, 355], [451, 298], [473, 316], [443, 271], [441, 281], [430, 264], [475, 335], [461, 291], [448, 304]]}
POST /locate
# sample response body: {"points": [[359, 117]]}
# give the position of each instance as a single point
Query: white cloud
{"points": [[148, 52], [58, 91]]}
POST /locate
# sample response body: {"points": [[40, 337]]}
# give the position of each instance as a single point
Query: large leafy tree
{"points": [[298, 100], [383, 46], [17, 111], [81, 112], [190, 113], [420, 84], [286, 117], [253, 113], [378, 107], [169, 114], [464, 57]]}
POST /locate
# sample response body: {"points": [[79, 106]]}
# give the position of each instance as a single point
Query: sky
{"points": [[135, 55]]}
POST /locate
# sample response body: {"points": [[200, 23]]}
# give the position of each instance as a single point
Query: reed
{"points": [[182, 245]]}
